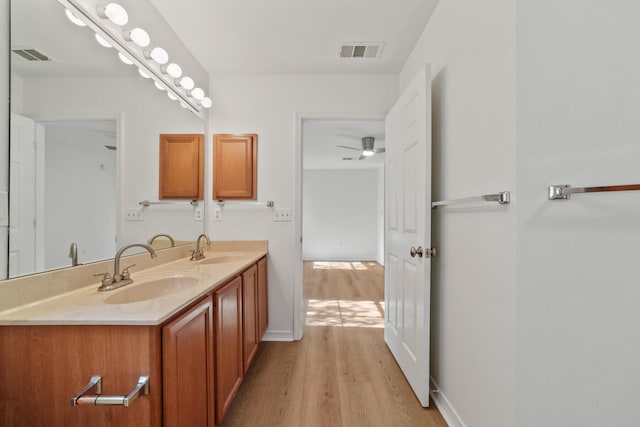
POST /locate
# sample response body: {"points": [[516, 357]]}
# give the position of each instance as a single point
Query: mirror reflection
{"points": [[84, 147]]}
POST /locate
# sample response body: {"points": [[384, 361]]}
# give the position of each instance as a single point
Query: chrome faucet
{"points": [[120, 279], [173, 243], [73, 254], [198, 252]]}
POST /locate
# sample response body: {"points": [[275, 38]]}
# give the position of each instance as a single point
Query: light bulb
{"points": [[172, 96], [124, 59], [158, 86], [158, 54], [197, 93], [172, 69], [143, 73], [368, 153], [102, 41], [73, 18], [206, 102], [114, 13], [184, 105], [137, 36], [187, 83]]}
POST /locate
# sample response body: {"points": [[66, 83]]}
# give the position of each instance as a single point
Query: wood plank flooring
{"points": [[341, 373]]}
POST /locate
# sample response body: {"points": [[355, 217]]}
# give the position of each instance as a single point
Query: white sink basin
{"points": [[151, 288], [222, 259]]}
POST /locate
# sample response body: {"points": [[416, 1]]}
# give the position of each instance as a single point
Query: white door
{"points": [[22, 202], [407, 226]]}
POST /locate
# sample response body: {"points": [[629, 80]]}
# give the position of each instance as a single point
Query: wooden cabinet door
{"points": [[235, 159], [187, 366], [181, 166], [228, 339], [263, 298], [249, 315]]}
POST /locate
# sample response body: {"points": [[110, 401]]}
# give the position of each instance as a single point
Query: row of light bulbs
{"points": [[118, 15]]}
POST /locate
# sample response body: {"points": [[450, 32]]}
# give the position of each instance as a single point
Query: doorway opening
{"points": [[66, 183], [342, 213]]}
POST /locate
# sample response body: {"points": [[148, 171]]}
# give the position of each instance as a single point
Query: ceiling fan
{"points": [[367, 149]]}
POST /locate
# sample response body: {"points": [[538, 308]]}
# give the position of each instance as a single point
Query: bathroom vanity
{"points": [[191, 327]]}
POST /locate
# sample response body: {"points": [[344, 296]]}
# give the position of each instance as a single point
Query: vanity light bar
{"points": [[128, 43]]}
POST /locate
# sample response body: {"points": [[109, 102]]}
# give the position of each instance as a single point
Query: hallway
{"points": [[341, 373]]}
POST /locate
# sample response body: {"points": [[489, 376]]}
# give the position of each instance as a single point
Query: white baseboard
{"points": [[444, 406], [278, 336]]}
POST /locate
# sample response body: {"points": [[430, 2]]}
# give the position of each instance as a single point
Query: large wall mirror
{"points": [[84, 136]]}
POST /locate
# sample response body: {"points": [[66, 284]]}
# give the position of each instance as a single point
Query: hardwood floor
{"points": [[341, 373]]}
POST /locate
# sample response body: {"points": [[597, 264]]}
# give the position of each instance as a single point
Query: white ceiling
{"points": [[296, 36]]}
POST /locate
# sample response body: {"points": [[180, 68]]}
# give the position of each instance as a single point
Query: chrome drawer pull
{"points": [[97, 399]]}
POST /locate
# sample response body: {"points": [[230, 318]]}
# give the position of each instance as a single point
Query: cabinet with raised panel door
{"points": [[263, 298], [250, 336], [228, 340], [181, 169], [187, 368], [235, 166]]}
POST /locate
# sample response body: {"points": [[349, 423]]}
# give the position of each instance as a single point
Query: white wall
{"points": [[143, 113], [267, 105], [78, 167], [4, 127], [471, 46], [340, 214], [578, 321]]}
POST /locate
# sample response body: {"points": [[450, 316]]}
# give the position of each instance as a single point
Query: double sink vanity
{"points": [[171, 348]]}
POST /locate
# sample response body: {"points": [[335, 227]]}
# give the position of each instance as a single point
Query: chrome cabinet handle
{"points": [[416, 251], [95, 384]]}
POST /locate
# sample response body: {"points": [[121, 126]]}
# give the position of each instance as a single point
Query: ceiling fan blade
{"points": [[379, 150], [362, 157], [350, 148], [349, 158]]}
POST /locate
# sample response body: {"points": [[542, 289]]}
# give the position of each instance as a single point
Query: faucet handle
{"points": [[125, 273], [106, 277]]}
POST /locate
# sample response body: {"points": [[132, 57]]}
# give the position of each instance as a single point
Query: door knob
{"points": [[416, 251]]}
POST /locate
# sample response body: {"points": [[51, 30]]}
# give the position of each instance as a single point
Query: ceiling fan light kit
{"points": [[367, 149]]}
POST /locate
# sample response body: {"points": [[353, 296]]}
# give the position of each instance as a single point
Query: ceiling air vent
{"points": [[31, 54], [360, 50]]}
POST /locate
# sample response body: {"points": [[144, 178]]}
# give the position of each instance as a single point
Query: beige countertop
{"points": [[87, 306]]}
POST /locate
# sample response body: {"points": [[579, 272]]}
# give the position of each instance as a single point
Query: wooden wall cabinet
{"points": [[235, 166], [181, 166]]}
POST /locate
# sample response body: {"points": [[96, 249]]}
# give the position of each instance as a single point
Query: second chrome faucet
{"points": [[120, 279], [198, 253]]}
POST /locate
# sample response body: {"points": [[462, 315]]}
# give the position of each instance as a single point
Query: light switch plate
{"points": [[282, 214], [132, 215], [217, 213]]}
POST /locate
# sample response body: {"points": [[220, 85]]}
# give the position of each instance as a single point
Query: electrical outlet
{"points": [[198, 214], [283, 214], [217, 213], [132, 215]]}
